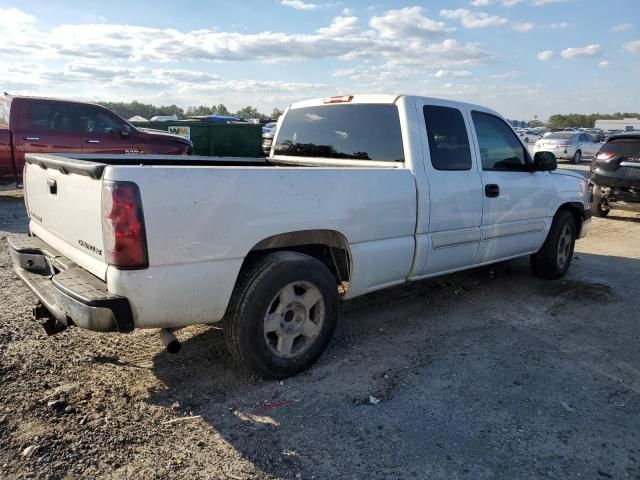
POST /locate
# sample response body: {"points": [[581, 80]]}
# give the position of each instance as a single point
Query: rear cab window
{"points": [[448, 139], [367, 132]]}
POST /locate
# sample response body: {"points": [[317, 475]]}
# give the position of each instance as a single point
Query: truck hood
{"points": [[163, 134]]}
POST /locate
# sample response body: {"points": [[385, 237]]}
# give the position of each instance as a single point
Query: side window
{"points": [[51, 117], [500, 149], [96, 120], [448, 139]]}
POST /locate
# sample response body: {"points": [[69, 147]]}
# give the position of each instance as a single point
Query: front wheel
{"points": [[553, 259], [282, 314]]}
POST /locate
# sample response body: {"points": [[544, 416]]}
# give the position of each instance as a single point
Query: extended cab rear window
{"points": [[349, 131]]}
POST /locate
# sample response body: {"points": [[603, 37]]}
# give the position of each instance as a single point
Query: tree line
{"points": [[586, 121], [131, 109]]}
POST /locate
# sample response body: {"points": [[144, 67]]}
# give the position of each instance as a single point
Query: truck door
{"points": [[104, 132], [455, 190], [515, 200], [45, 127]]}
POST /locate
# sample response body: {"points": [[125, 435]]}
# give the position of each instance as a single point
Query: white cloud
{"points": [[545, 55], [603, 64], [559, 25], [622, 27], [341, 26], [406, 23], [480, 3], [12, 19], [522, 27], [505, 75], [452, 74], [471, 19], [542, 3], [588, 51], [300, 5], [632, 47]]}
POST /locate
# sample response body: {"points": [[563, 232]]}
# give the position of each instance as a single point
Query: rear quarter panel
{"points": [[202, 221]]}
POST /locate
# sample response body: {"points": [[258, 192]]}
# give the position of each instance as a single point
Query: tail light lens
{"points": [[605, 156], [125, 243], [564, 145]]}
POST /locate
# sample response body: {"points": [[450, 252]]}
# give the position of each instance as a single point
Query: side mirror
{"points": [[125, 130], [544, 162]]}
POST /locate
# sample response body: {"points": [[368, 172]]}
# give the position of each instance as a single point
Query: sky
{"points": [[524, 58]]}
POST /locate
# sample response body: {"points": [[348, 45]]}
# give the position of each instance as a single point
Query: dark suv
{"points": [[615, 175]]}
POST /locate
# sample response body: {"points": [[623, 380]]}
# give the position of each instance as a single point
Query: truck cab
{"points": [[42, 125]]}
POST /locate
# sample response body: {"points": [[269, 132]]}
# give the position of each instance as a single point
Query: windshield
{"points": [[346, 131], [561, 136]]}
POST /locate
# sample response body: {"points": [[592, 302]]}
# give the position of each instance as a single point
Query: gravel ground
{"points": [[490, 373]]}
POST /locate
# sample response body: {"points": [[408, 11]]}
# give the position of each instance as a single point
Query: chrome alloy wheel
{"points": [[294, 319]]}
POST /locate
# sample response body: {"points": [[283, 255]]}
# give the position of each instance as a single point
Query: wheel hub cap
{"points": [[294, 319]]}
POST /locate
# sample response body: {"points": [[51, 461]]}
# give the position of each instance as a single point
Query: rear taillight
{"points": [[564, 145], [125, 243], [605, 156]]}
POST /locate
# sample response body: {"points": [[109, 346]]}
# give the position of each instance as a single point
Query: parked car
{"points": [[529, 136], [361, 193], [42, 125], [615, 175], [568, 145], [267, 140]]}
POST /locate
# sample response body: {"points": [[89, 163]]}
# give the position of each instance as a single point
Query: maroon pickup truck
{"points": [[42, 125]]}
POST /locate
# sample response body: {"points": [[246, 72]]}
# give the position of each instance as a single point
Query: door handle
{"points": [[31, 139], [53, 186], [93, 141], [491, 190]]}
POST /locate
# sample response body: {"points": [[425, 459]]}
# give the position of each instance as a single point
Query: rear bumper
{"points": [[69, 293]]}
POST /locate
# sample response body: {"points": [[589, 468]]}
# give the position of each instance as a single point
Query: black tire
{"points": [[549, 262], [258, 287], [597, 204], [577, 157]]}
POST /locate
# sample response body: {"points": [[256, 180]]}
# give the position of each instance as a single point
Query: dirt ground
{"points": [[490, 373]]}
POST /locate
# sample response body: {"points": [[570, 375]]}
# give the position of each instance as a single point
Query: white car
{"points": [[360, 193], [529, 136], [572, 146]]}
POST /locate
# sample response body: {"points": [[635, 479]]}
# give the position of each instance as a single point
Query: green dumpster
{"points": [[215, 139]]}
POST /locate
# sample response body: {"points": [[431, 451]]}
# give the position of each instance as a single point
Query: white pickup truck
{"points": [[359, 193]]}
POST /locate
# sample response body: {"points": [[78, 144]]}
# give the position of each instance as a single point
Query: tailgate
{"points": [[64, 205]]}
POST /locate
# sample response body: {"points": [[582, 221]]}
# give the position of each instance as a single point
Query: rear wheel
{"points": [[598, 206], [577, 157], [553, 259], [282, 314]]}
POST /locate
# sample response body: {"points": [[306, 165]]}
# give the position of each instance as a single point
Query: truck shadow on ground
{"points": [[389, 345]]}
